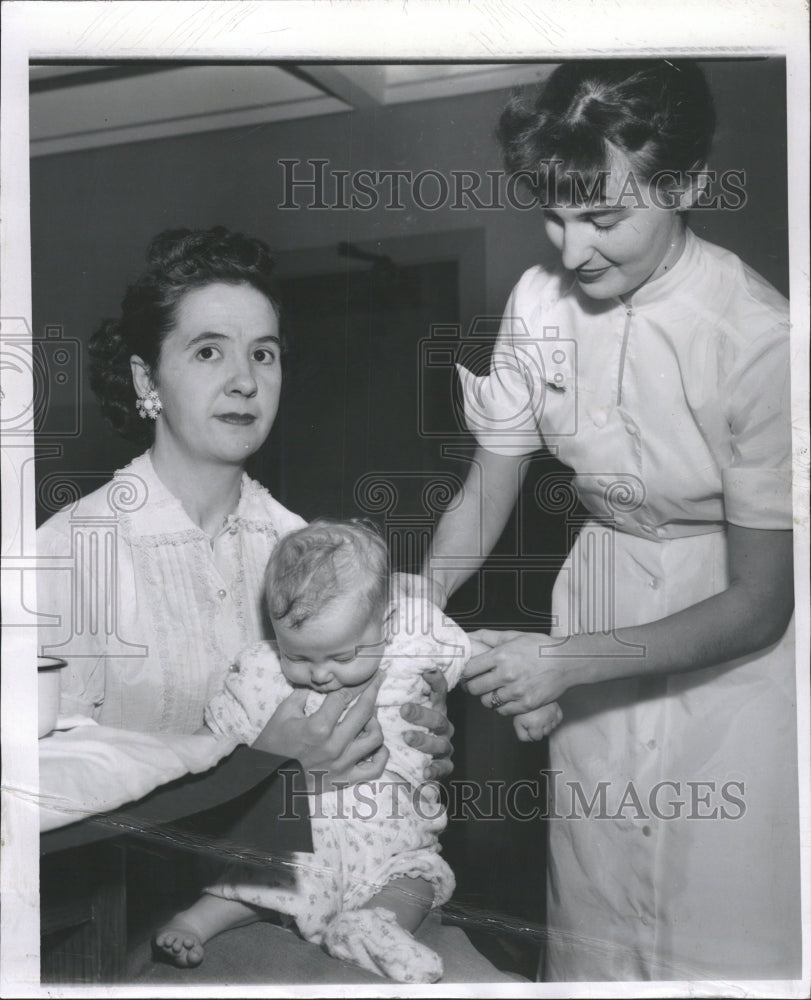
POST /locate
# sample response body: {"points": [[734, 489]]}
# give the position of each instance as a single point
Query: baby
{"points": [[376, 868]]}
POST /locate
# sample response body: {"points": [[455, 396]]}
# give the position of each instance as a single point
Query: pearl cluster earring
{"points": [[149, 405]]}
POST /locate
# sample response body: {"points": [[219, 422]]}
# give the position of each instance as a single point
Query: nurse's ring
{"points": [[495, 701]]}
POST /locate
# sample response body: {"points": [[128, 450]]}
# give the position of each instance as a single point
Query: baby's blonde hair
{"points": [[311, 567]]}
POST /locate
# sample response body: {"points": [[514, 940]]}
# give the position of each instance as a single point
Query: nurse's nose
{"points": [[241, 378], [577, 247]]}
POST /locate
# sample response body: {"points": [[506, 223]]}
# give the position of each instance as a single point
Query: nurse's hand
{"points": [[512, 677], [332, 751], [437, 741]]}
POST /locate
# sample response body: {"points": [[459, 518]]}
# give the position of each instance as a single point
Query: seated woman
{"points": [[193, 366]]}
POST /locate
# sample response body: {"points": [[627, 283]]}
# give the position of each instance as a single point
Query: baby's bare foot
{"points": [[180, 942]]}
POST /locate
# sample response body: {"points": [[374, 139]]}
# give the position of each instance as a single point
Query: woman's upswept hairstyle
{"points": [[311, 567], [178, 261], [658, 112]]}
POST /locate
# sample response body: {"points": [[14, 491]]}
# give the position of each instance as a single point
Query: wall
{"points": [[93, 212]]}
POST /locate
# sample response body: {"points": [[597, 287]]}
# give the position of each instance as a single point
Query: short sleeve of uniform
{"points": [[503, 409], [757, 484]]}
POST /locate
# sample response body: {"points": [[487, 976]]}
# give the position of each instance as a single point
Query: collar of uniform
{"points": [[663, 287]]}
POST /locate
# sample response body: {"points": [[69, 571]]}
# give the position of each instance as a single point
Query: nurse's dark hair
{"points": [[658, 112], [177, 261]]}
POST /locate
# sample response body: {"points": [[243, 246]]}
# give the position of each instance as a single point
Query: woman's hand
{"points": [[437, 741], [512, 676], [520, 673], [332, 753]]}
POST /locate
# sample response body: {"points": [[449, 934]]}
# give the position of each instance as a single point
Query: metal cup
{"points": [[49, 676]]}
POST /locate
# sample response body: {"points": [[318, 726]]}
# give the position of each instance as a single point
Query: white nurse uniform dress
{"points": [[673, 411]]}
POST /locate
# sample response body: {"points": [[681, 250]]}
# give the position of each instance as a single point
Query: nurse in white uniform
{"points": [[665, 387]]}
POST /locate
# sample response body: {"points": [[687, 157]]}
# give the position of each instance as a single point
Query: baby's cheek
{"points": [[294, 674]]}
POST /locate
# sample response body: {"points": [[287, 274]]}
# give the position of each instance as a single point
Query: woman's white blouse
{"points": [[147, 609], [673, 409]]}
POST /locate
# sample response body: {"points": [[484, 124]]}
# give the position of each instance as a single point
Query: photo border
{"points": [[355, 31]]}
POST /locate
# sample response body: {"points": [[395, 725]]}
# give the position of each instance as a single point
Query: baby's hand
{"points": [[537, 724]]}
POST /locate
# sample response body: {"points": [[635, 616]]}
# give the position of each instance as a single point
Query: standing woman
{"points": [[676, 854]]}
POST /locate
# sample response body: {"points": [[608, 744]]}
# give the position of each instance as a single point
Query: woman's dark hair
{"points": [[659, 113], [178, 261]]}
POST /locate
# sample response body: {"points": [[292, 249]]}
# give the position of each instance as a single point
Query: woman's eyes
{"points": [[264, 356], [556, 221]]}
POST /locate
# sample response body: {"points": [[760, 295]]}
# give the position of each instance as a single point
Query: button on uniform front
{"points": [[222, 594]]}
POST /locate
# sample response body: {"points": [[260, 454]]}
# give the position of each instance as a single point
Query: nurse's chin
{"points": [[600, 283], [603, 290]]}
